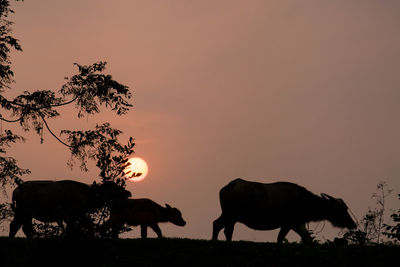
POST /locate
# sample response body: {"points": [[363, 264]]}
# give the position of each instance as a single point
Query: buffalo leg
{"points": [[228, 231], [218, 224], [86, 223], [115, 229], [70, 229], [27, 228], [61, 225], [114, 226], [114, 232], [282, 234], [15, 225], [303, 233], [143, 230], [156, 229]]}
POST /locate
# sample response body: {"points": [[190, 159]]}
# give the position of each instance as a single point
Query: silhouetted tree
{"points": [[9, 170], [88, 90]]}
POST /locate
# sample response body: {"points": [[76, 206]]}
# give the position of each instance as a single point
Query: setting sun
{"points": [[137, 170]]}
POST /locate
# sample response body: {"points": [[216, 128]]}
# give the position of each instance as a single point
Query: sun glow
{"points": [[137, 170]]}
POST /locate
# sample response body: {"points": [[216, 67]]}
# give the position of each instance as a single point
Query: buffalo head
{"points": [[175, 216], [337, 212]]}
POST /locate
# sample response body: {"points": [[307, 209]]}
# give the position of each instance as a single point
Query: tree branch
{"points": [[51, 132], [62, 104], [3, 119], [42, 107]]}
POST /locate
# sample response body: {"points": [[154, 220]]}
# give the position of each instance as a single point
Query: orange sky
{"points": [[302, 91]]}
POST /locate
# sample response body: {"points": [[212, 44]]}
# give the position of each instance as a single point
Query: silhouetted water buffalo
{"points": [[143, 212], [277, 205], [57, 201]]}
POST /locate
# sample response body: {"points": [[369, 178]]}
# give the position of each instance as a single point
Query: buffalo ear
{"points": [[341, 201], [168, 206]]}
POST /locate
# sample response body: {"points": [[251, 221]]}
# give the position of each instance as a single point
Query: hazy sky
{"points": [[301, 91]]}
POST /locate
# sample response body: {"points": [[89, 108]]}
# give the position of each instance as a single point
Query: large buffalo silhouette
{"points": [[277, 205], [58, 201]]}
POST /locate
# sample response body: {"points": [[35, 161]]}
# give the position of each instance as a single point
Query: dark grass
{"points": [[188, 252]]}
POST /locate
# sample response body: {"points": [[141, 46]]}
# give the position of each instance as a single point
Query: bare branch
{"points": [[3, 119], [51, 132]]}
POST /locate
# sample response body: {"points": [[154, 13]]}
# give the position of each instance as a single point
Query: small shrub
{"points": [[393, 231], [371, 227]]}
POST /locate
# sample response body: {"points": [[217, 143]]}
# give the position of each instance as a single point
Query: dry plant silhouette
{"points": [[392, 230], [373, 227]]}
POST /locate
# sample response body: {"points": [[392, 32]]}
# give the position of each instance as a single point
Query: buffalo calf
{"points": [[143, 212]]}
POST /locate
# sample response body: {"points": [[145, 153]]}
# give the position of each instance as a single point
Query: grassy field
{"points": [[188, 252]]}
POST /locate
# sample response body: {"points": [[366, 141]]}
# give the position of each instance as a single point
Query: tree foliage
{"points": [[10, 172], [100, 144], [88, 90], [7, 43]]}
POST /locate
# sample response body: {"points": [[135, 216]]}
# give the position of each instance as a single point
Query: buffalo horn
{"points": [[326, 196]]}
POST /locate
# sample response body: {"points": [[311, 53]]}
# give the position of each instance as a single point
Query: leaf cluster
{"points": [[90, 88], [7, 42], [47, 230], [10, 172], [393, 231], [6, 211], [101, 145]]}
